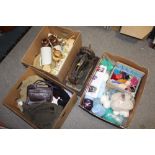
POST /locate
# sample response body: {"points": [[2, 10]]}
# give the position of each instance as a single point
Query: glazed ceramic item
{"points": [[57, 55], [46, 53], [53, 40], [47, 68], [45, 43], [58, 48]]}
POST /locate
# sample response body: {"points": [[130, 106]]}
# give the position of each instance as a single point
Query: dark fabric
{"points": [[9, 39], [152, 34], [59, 92], [43, 114], [151, 38]]}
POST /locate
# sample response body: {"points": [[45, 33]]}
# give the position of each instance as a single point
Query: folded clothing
{"points": [[60, 94], [43, 114]]}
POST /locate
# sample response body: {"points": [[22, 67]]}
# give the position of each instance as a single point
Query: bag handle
{"points": [[42, 83]]}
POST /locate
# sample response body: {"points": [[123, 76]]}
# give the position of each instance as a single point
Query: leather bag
{"points": [[39, 91]]}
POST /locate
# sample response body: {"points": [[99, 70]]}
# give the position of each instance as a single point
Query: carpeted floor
{"points": [[101, 40]]}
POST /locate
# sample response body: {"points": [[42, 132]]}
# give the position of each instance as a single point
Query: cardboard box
{"points": [[10, 99], [34, 49], [139, 91], [139, 32], [115, 28]]}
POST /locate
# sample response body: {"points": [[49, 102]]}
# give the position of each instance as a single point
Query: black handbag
{"points": [[82, 65], [39, 91]]}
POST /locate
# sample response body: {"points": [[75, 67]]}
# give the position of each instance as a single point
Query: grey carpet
{"points": [[101, 40]]}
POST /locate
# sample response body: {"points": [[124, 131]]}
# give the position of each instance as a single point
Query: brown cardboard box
{"points": [[115, 28], [139, 32], [10, 99], [139, 92], [34, 49]]}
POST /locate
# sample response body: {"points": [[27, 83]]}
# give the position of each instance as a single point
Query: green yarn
{"points": [[106, 62], [110, 117]]}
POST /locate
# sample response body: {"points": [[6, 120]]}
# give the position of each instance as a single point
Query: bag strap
{"points": [[43, 83]]}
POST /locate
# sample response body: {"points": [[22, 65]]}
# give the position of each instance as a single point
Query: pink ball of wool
{"points": [[134, 81]]}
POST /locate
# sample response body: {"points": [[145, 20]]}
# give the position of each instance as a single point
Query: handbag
{"points": [[39, 91], [82, 65]]}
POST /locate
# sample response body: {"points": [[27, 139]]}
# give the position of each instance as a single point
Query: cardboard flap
{"points": [[62, 32], [139, 32]]}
